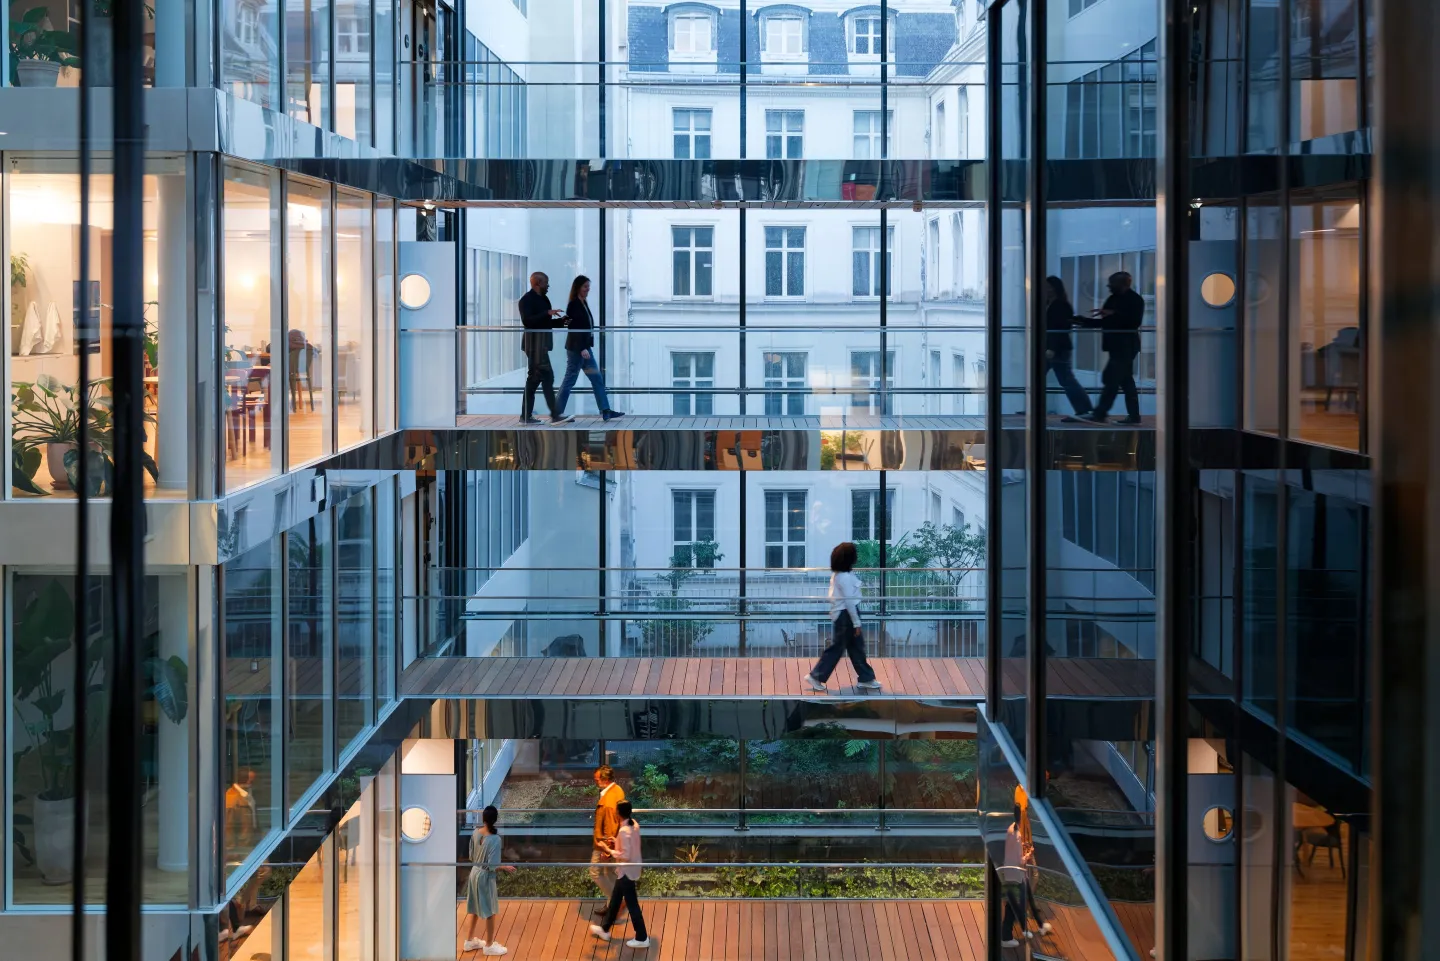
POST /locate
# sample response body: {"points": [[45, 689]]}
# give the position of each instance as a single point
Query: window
{"points": [[247, 24], [694, 524], [957, 518], [868, 132], [962, 119], [692, 134], [784, 134], [784, 528], [934, 371], [693, 259], [866, 264], [865, 374], [352, 35], [932, 257], [523, 6], [865, 520], [1076, 6], [784, 261], [785, 382], [692, 35], [692, 370], [1110, 112], [958, 376], [932, 516], [783, 38], [957, 254], [865, 36], [938, 141]]}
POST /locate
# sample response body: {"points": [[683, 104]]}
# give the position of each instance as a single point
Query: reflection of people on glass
{"points": [[626, 851], [580, 350], [1120, 318], [845, 613], [482, 896], [1059, 318]]}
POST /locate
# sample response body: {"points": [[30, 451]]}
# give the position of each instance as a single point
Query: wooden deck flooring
{"points": [[633, 422], [814, 930], [756, 677]]}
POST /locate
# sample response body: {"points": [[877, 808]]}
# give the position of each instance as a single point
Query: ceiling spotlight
{"points": [[917, 206]]}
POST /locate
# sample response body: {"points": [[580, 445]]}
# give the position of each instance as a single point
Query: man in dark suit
{"points": [[1120, 318], [538, 319]]}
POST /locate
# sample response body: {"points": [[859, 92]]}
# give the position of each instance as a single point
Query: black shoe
{"points": [[611, 415], [1095, 418], [558, 419], [1077, 419], [530, 420], [1129, 420]]}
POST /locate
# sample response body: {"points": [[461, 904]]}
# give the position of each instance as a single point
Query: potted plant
{"points": [[39, 52], [46, 425], [44, 633]]}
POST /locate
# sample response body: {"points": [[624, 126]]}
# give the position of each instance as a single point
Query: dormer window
{"points": [[692, 34], [865, 36], [783, 35]]}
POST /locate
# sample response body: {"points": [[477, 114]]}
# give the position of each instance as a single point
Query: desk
{"points": [[1303, 816]]}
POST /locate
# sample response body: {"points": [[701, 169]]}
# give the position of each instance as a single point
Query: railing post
{"points": [[743, 820]]}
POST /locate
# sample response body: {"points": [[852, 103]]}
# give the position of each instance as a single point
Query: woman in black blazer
{"points": [[580, 350]]}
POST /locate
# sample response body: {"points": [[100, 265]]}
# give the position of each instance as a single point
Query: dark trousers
{"points": [[539, 373], [1033, 903], [1059, 364], [847, 640], [625, 888], [1118, 375], [1012, 923]]}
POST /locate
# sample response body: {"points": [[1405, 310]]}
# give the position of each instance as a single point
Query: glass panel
{"points": [[251, 325], [310, 920], [354, 320], [387, 558], [385, 330], [254, 627], [310, 658], [307, 60], [355, 850], [250, 51], [1263, 250], [1328, 351], [307, 339], [352, 70], [355, 559]]}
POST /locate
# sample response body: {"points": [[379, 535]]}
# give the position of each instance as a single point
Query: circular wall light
{"points": [[1218, 289], [414, 291], [415, 824], [1218, 823]]}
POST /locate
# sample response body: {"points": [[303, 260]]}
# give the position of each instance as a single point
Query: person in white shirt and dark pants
{"points": [[845, 612], [626, 853]]}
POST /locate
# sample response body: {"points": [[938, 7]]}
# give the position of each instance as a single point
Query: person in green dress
{"points": [[482, 900]]}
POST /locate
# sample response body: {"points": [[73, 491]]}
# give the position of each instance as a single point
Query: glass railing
{"points": [[864, 880], [838, 372], [582, 819]]}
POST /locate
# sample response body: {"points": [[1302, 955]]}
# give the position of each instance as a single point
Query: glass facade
{"points": [[1107, 427]]}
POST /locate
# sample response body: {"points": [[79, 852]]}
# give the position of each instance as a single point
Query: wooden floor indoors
{"points": [[778, 422]]}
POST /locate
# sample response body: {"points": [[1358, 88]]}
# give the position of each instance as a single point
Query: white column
{"points": [[173, 355], [173, 754], [170, 58]]}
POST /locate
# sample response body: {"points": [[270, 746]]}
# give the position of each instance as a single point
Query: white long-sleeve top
{"points": [[845, 596], [627, 851]]}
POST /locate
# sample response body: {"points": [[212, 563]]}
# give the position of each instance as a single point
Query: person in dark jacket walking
{"points": [[538, 318], [580, 349], [1059, 318], [1120, 318]]}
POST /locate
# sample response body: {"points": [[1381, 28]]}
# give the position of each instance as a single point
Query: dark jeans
{"points": [[1059, 364], [574, 364], [847, 640], [1014, 914], [539, 374], [625, 888], [1118, 375]]}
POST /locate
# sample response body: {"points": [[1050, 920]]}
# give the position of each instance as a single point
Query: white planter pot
{"points": [[37, 73], [54, 839]]}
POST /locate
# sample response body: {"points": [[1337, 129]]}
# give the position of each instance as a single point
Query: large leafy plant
{"points": [[31, 38], [48, 412]]}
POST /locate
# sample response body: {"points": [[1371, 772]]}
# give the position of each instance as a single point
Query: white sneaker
{"points": [[495, 950], [868, 685], [473, 944], [815, 685], [226, 934], [638, 945], [599, 932], [1009, 943], [1046, 928], [243, 930], [1029, 935]]}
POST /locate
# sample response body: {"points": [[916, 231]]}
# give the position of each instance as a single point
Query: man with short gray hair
{"points": [[538, 318]]}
